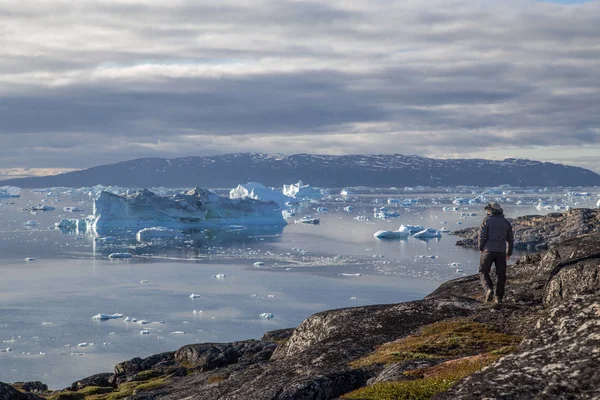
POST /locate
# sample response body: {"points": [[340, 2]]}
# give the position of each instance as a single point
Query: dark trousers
{"points": [[485, 264]]}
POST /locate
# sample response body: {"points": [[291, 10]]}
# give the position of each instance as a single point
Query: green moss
{"points": [[151, 384], [91, 390], [446, 339], [67, 396], [425, 382], [407, 390]]}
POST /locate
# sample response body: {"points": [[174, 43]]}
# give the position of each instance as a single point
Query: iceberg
{"points": [[156, 232], [197, 208], [411, 228], [400, 233], [257, 191], [9, 191], [308, 220], [428, 233], [598, 204], [105, 317], [301, 191], [266, 315]]}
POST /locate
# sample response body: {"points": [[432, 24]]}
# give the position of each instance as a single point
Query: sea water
{"points": [[47, 303]]}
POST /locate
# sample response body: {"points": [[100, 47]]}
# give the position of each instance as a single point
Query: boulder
{"points": [[7, 392], [102, 379]]}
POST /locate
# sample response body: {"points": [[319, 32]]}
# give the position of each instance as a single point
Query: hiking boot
{"points": [[498, 300], [489, 295]]}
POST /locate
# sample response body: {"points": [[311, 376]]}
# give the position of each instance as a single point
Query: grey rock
{"points": [[102, 379], [395, 372], [7, 392], [138, 364]]}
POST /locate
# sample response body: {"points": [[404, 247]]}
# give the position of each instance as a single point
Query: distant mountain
{"points": [[228, 170]]}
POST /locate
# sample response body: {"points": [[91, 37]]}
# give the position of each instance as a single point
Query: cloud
{"points": [[102, 81]]}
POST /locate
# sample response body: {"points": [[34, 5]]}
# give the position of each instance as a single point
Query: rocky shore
{"points": [[537, 232], [542, 342]]}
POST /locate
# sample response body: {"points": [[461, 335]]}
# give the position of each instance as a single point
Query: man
{"points": [[494, 233]]}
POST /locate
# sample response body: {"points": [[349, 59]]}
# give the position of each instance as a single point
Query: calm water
{"points": [[46, 305]]}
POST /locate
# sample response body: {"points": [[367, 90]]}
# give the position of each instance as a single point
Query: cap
{"points": [[493, 206]]}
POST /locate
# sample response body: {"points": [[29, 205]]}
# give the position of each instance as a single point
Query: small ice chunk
{"points": [[197, 311], [194, 296], [219, 276], [127, 319], [266, 315], [142, 322], [29, 259], [30, 223], [6, 350], [119, 255], [84, 344], [104, 317], [353, 298], [271, 296], [144, 332], [178, 333], [144, 281], [258, 264], [347, 274]]}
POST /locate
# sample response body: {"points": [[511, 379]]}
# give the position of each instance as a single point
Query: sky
{"points": [[88, 83]]}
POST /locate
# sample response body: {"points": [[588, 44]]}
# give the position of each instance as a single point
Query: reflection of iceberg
{"points": [[157, 232], [257, 191], [76, 224], [301, 191], [194, 209], [9, 191], [428, 233]]}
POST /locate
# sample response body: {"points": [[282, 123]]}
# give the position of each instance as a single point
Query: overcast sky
{"points": [[87, 83]]}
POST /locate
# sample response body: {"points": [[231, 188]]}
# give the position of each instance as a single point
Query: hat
{"points": [[493, 206]]}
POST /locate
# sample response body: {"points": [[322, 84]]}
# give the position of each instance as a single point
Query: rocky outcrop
{"points": [[535, 232], [7, 392], [560, 359]]}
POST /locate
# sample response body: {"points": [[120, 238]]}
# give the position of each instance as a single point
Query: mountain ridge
{"points": [[379, 170]]}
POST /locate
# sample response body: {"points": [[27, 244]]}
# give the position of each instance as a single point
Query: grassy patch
{"points": [[216, 379], [151, 384], [91, 390], [426, 382], [445, 339]]}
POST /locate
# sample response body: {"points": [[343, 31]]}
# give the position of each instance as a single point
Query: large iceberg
{"points": [[301, 191], [198, 208], [9, 191], [257, 191]]}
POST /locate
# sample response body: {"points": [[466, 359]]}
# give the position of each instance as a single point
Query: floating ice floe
{"points": [[196, 208], [9, 191], [450, 208], [301, 191], [307, 219], [257, 191], [144, 332], [85, 344], [156, 232], [194, 296], [258, 264], [119, 255], [322, 209], [598, 204], [362, 218], [266, 316], [178, 333], [42, 207], [346, 192], [400, 233], [455, 264], [443, 229], [348, 274], [29, 259], [219, 276], [144, 281], [428, 233], [73, 209], [6, 350], [104, 317], [30, 223]]}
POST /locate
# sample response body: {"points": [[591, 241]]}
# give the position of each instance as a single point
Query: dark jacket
{"points": [[494, 233]]}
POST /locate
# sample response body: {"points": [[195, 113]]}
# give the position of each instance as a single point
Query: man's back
{"points": [[494, 233]]}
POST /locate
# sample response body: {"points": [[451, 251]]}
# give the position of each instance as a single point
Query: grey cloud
{"points": [[398, 75]]}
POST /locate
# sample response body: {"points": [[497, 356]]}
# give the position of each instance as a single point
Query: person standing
{"points": [[495, 232]]}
